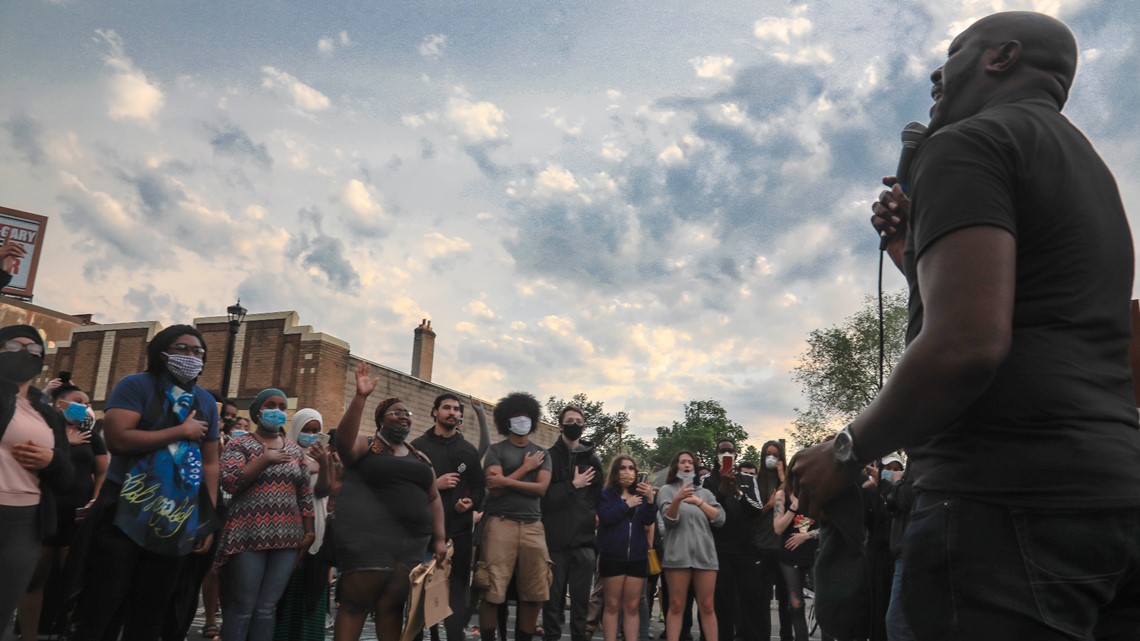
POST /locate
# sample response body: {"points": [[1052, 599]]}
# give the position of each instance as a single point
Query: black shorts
{"points": [[613, 567]]}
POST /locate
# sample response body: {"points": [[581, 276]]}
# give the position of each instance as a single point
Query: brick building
{"points": [[270, 350]]}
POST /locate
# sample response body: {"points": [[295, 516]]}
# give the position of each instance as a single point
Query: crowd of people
{"points": [[264, 522], [1016, 376]]}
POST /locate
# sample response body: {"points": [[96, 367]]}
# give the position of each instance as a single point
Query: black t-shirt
{"points": [[1062, 401], [83, 458], [804, 555]]}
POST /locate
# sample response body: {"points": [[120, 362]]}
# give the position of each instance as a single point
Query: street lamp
{"points": [[236, 314]]}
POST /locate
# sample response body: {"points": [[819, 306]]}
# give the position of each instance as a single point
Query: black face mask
{"points": [[572, 432], [395, 433], [20, 367]]}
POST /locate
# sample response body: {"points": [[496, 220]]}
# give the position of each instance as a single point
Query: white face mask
{"points": [[520, 425], [771, 462]]}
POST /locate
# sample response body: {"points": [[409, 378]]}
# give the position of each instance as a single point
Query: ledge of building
{"points": [[291, 319]]}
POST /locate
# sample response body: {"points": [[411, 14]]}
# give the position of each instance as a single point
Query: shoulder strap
{"points": [[420, 455]]}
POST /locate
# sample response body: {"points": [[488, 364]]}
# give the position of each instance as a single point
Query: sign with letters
{"points": [[27, 229]]}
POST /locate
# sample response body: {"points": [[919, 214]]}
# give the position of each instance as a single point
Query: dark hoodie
{"points": [[454, 454], [568, 513]]}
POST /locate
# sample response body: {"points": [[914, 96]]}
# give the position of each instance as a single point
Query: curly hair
{"points": [[383, 408], [516, 404], [162, 342]]}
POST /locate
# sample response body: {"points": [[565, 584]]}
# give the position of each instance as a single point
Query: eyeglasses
{"points": [[183, 348], [399, 413], [35, 349]]}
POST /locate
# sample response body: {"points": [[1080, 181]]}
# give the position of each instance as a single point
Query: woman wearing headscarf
{"points": [[269, 521], [34, 463], [387, 513], [302, 610], [162, 431]]}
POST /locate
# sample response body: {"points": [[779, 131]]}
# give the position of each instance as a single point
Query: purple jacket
{"points": [[621, 529]]}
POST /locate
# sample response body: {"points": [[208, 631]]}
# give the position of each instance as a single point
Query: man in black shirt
{"points": [[1016, 375], [459, 480]]}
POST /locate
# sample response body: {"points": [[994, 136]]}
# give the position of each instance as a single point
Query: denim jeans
{"points": [[982, 571], [897, 627], [254, 583]]}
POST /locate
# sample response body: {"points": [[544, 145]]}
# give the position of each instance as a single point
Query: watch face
{"points": [[843, 450]]}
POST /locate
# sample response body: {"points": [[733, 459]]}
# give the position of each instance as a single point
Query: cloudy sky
{"points": [[650, 202]]}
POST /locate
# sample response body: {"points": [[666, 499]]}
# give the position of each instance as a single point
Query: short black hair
{"points": [[443, 397], [162, 342], [60, 391], [744, 464], [515, 404]]}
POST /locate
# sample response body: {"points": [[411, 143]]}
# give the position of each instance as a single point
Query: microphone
{"points": [[912, 136]]}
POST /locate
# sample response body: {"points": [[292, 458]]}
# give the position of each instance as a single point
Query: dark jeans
{"points": [[794, 580], [980, 571], [123, 582], [254, 584], [770, 579], [574, 569]]}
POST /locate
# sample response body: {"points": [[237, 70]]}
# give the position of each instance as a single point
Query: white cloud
{"points": [[432, 45], [554, 179], [716, 67], [303, 97], [611, 151], [476, 121], [436, 245], [327, 45], [479, 309], [782, 29], [132, 95], [357, 197], [671, 155], [554, 115]]}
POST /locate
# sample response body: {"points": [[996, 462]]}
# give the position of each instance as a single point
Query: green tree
{"points": [[839, 371], [605, 430], [705, 423]]}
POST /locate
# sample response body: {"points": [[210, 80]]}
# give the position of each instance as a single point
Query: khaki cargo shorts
{"points": [[511, 548]]}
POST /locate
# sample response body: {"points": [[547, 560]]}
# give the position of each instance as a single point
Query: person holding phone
{"points": [[625, 510], [689, 514]]}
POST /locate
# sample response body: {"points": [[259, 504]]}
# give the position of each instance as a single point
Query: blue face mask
{"points": [[305, 439], [75, 413], [273, 420]]}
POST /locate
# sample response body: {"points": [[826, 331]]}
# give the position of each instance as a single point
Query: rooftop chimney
{"points": [[423, 351]]}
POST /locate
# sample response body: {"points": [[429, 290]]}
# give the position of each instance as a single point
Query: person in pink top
{"points": [[34, 463]]}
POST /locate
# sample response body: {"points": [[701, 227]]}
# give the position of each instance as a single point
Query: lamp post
{"points": [[236, 314]]}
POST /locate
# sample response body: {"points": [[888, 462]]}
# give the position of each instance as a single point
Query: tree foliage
{"points": [[605, 430], [839, 371], [705, 423]]}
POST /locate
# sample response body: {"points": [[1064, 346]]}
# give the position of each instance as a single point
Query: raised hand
{"points": [[365, 384], [10, 253]]}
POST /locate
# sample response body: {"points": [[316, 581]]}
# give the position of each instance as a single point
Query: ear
{"points": [[1004, 58]]}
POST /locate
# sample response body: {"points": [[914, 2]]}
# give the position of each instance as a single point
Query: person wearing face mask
{"points": [[35, 465], [569, 512], [459, 481], [514, 541], [388, 511], [269, 521], [766, 544], [626, 508], [162, 431], [689, 514], [301, 611], [40, 606]]}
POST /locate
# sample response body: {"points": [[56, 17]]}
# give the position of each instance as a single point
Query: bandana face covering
{"points": [[183, 367]]}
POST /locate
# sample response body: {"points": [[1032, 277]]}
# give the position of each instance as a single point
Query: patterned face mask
{"points": [[183, 367]]}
